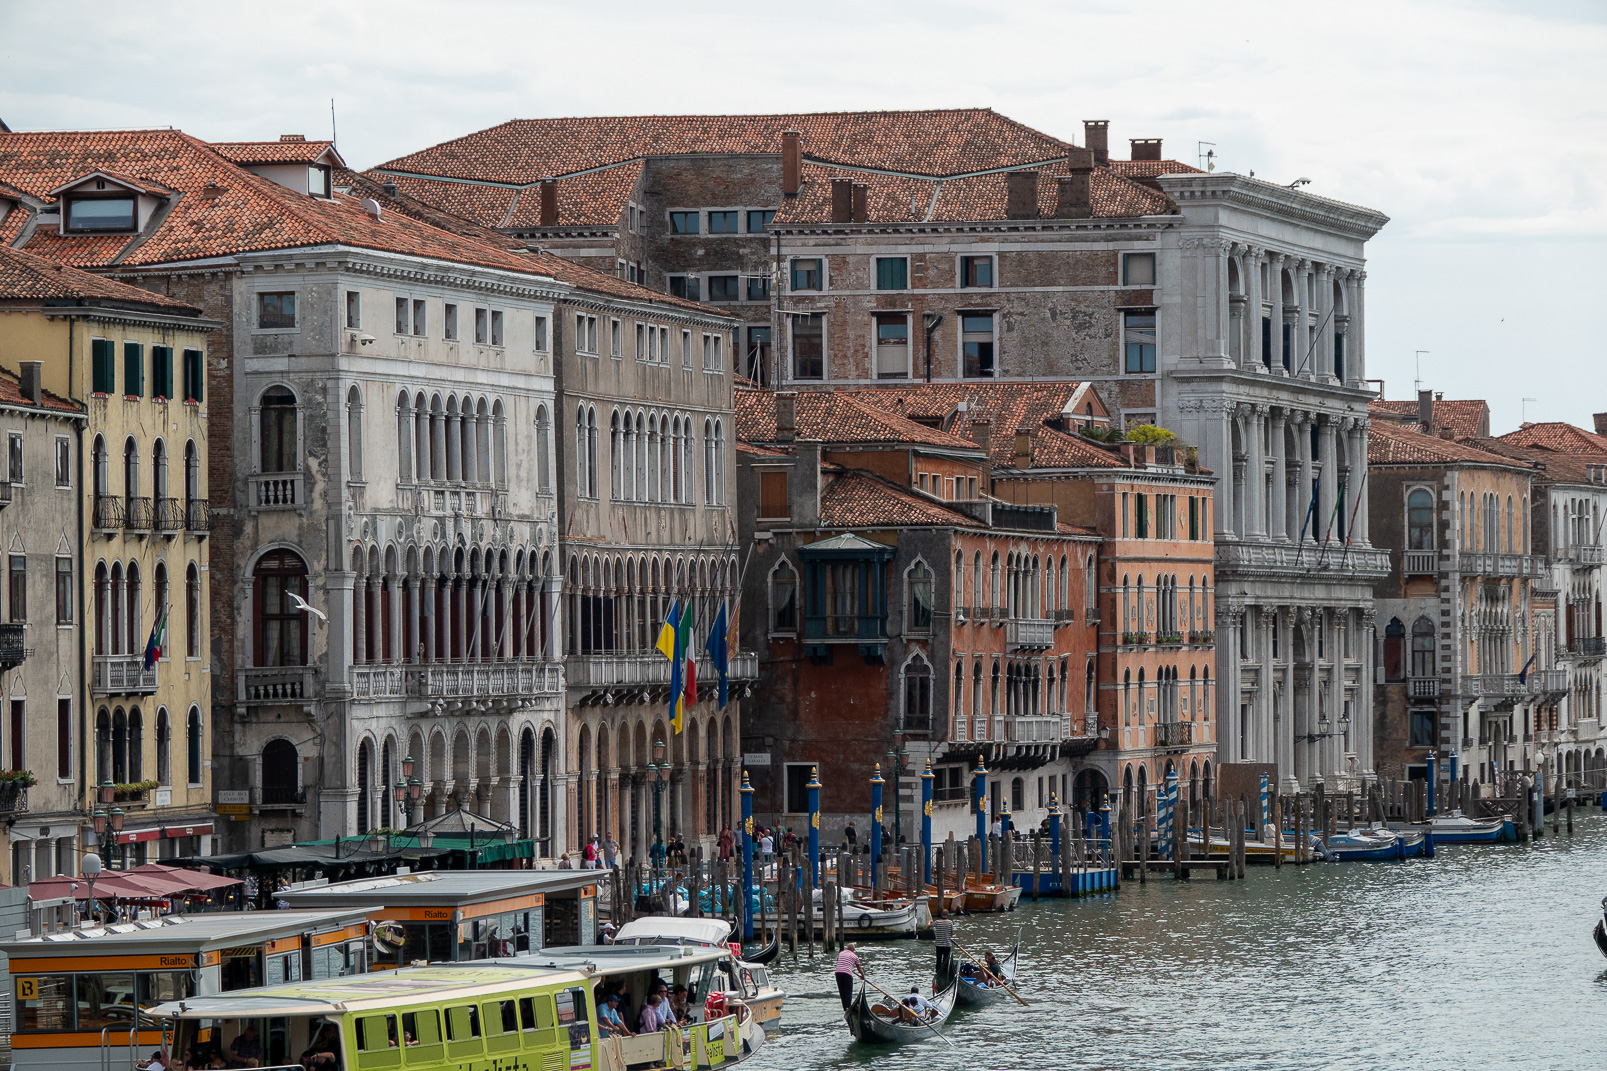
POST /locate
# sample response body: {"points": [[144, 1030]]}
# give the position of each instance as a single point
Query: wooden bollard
{"points": [[1277, 832], [1143, 851]]}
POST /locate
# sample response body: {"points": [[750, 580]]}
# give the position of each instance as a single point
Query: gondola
{"points": [[973, 994], [1600, 934], [873, 1029], [768, 953]]}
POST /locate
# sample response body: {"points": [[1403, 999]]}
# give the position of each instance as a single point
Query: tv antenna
{"points": [[1207, 157], [1417, 384]]}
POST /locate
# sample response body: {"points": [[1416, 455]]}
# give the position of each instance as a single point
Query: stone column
{"points": [[1254, 300], [431, 648], [1300, 337], [1308, 518], [1275, 298], [1328, 447], [1325, 321], [1358, 328], [1218, 448], [454, 447], [1361, 535], [359, 619], [1255, 509], [1278, 525], [414, 617]]}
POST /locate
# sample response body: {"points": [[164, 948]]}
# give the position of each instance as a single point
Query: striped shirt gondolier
{"points": [[943, 933], [847, 961]]}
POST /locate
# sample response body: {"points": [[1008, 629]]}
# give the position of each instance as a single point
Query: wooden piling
{"points": [[1277, 832], [1143, 851]]}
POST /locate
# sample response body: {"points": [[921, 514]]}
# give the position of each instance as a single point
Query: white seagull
{"points": [[305, 607]]}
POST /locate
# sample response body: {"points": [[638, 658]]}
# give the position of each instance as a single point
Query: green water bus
{"points": [[433, 1018]]}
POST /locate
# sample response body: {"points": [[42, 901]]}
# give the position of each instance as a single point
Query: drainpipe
{"points": [[83, 649], [930, 321]]}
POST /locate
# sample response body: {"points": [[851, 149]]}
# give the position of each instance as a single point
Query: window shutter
{"points": [[134, 369], [194, 376], [103, 367]]}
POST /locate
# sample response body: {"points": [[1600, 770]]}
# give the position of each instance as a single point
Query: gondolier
{"points": [[943, 937], [847, 967]]}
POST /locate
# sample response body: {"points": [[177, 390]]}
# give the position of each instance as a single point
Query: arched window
{"points": [[192, 477], [404, 439], [917, 695], [164, 748], [1511, 542], [192, 612], [719, 462], [103, 745], [279, 772], [354, 433], [995, 593], [543, 451], [919, 582], [130, 473], [709, 481], [119, 746], [281, 628], [193, 746], [159, 480], [136, 745], [581, 454], [1423, 648], [133, 633], [615, 482], [1394, 639], [98, 462], [783, 598], [277, 446], [591, 452]]}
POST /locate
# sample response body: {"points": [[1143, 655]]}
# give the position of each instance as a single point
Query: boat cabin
{"points": [[82, 998], [451, 916]]}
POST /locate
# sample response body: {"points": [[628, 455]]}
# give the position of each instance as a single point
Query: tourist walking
{"points": [[847, 967], [727, 842], [943, 938], [611, 853]]}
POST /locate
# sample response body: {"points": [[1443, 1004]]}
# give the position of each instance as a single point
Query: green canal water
{"points": [[1479, 958]]}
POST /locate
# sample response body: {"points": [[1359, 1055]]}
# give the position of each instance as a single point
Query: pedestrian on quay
{"points": [[611, 853], [943, 938], [727, 842], [767, 847], [847, 966], [851, 837]]}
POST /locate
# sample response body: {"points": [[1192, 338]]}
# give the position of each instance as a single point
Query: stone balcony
{"points": [[277, 490], [122, 675], [1029, 633], [1421, 563], [1538, 682], [1424, 687], [1036, 729], [1252, 559], [274, 684], [472, 681], [1586, 648], [1483, 563], [619, 675], [1586, 730]]}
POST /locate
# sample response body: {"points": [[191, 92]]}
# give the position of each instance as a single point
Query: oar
{"points": [[981, 966], [898, 1002]]}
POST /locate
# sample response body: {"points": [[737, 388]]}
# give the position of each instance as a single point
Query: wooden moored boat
{"points": [[973, 992], [878, 1022], [987, 896]]}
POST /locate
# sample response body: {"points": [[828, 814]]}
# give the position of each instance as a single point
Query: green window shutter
{"points": [[134, 369], [194, 376], [162, 371], [103, 369]]}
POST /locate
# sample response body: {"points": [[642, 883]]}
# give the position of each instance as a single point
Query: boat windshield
{"points": [[294, 1042]]}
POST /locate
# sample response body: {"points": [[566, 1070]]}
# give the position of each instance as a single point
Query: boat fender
{"points": [[864, 921]]}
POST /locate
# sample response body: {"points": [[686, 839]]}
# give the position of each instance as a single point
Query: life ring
{"points": [[864, 921]]}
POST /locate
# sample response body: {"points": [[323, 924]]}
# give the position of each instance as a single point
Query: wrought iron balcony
{"points": [[277, 490], [13, 797], [123, 674], [12, 637], [198, 515], [138, 514], [1029, 633], [5, 493], [108, 513], [1422, 562], [281, 796], [1587, 647], [1174, 734], [169, 515]]}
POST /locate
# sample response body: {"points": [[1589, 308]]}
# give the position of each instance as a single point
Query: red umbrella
{"points": [[194, 880], [109, 885]]}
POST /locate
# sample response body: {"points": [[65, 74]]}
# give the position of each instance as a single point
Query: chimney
{"points": [[390, 188], [32, 381], [549, 203], [1425, 411], [1021, 195], [292, 137], [981, 433], [842, 200], [1096, 133], [1146, 148], [211, 191], [791, 162], [786, 416], [1601, 422], [861, 202], [1073, 198], [1021, 449]]}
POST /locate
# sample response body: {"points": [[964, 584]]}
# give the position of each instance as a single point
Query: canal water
{"points": [[1478, 958]]}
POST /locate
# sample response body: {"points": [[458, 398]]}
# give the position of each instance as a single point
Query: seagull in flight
{"points": [[305, 607]]}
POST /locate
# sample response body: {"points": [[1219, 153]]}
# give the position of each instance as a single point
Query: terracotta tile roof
{"points": [[937, 142], [11, 394], [1143, 169], [837, 417], [1466, 417], [1555, 467], [595, 199], [11, 192], [27, 277], [485, 206], [143, 185], [1053, 449], [756, 450], [271, 152], [1005, 407], [1391, 444], [1558, 436], [853, 498]]}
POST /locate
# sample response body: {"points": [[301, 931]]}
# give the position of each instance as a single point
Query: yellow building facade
{"points": [[136, 364]]}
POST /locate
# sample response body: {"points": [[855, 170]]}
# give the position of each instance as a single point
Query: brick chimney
{"points": [[861, 202], [292, 137], [791, 162], [1096, 136], [549, 203], [842, 200], [1021, 195], [786, 416], [1601, 422], [1425, 411], [32, 380], [1073, 198], [1021, 449], [981, 433], [1146, 148]]}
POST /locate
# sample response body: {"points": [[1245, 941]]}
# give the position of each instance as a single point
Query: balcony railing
{"points": [[605, 671], [379, 682], [108, 513], [1422, 562], [1174, 734], [1424, 687], [138, 514], [277, 490], [467, 680], [1587, 729], [1483, 563], [1038, 729], [1508, 685], [282, 796], [12, 637], [273, 684], [122, 675], [198, 515], [1203, 636], [1135, 639], [1548, 680], [1589, 554], [169, 515], [1588, 647], [13, 797], [1029, 633]]}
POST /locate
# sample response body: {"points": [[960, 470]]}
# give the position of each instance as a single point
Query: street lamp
{"points": [[403, 802], [107, 791], [115, 820], [658, 765]]}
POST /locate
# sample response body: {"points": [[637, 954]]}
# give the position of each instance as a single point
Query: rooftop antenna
{"points": [[331, 120], [1207, 157], [1417, 384], [1526, 402]]}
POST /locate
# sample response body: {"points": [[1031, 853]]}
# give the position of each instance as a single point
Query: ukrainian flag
{"points": [[672, 644]]}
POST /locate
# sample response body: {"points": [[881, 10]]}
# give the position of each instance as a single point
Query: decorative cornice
{"points": [[1271, 199]]}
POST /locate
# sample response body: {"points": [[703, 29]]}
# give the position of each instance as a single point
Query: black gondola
{"points": [[974, 994], [867, 1026], [1600, 934], [767, 954]]}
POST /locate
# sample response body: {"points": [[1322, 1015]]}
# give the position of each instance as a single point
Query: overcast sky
{"points": [[1478, 128]]}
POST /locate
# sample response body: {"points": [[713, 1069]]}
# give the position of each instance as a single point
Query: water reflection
{"points": [[1481, 957]]}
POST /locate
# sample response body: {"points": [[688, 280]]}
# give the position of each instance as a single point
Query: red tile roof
{"points": [[595, 199], [1005, 407], [1558, 436], [837, 417], [938, 142], [1554, 467], [1143, 169], [272, 152], [1391, 444], [11, 394], [1053, 449], [27, 277], [853, 498], [756, 450], [1466, 418]]}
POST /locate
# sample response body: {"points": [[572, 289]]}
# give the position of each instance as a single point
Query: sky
{"points": [[1479, 128]]}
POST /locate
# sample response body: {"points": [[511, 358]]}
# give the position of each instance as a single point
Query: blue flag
{"points": [[1523, 674], [719, 652]]}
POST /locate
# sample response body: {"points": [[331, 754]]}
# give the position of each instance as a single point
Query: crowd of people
{"points": [[663, 1007]]}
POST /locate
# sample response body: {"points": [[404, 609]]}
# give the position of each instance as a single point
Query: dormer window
{"points": [[96, 214], [318, 181]]}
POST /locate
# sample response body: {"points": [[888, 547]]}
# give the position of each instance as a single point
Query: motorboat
{"points": [[887, 1021], [747, 979], [1458, 828], [1366, 845], [873, 918]]}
